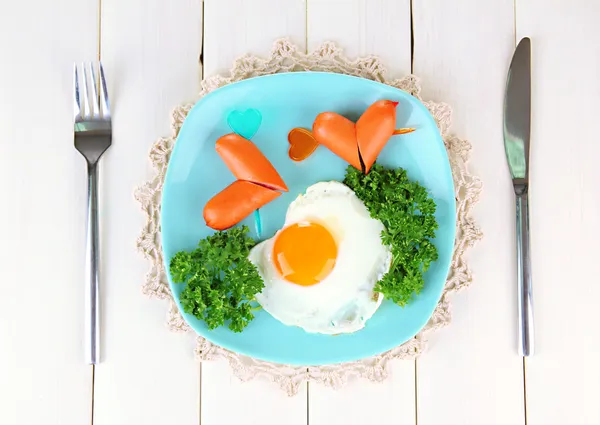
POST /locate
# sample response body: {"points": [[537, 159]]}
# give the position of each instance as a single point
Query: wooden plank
{"points": [[361, 401], [150, 51], [234, 28], [563, 376], [251, 29], [363, 28], [44, 375], [471, 373]]}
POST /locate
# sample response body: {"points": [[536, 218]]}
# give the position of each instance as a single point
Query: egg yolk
{"points": [[304, 253]]}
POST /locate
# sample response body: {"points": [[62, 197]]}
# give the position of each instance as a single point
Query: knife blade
{"points": [[517, 127]]}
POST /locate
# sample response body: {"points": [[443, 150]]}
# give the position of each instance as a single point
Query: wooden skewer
{"points": [[404, 131]]}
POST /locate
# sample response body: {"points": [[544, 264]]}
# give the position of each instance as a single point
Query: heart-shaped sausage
{"points": [[236, 202], [373, 129], [338, 134], [257, 184], [359, 144], [302, 144], [247, 162]]}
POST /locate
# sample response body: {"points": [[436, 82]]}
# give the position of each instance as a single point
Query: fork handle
{"points": [[92, 308], [525, 296]]}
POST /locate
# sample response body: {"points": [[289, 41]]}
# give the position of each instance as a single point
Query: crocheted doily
{"points": [[286, 57]]}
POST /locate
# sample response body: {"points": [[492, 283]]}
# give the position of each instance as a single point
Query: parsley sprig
{"points": [[220, 280], [407, 212]]}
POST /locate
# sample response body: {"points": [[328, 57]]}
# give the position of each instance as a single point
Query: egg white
{"points": [[344, 300]]}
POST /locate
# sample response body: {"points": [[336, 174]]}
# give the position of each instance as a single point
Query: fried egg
{"points": [[320, 268]]}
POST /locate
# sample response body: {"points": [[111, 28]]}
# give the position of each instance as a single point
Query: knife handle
{"points": [[525, 296]]}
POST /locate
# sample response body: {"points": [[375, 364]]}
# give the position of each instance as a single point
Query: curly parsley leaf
{"points": [[220, 281], [407, 212]]}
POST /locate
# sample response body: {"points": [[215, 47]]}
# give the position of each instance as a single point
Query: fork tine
{"points": [[104, 105], [94, 92], [76, 104], [86, 101]]}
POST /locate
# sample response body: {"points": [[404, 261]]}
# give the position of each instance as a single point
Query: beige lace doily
{"points": [[286, 57]]}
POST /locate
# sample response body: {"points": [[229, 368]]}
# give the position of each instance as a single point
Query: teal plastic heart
{"points": [[245, 123]]}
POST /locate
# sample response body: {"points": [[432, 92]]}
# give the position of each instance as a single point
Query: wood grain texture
{"points": [[44, 377], [361, 401], [233, 28], [472, 373], [563, 377], [227, 400], [363, 28], [150, 51]]}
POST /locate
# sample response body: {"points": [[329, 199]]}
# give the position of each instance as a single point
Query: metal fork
{"points": [[93, 135]]}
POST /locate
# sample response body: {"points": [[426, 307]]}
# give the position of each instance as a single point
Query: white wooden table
{"points": [[471, 374]]}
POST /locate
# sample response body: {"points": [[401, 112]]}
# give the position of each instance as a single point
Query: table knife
{"points": [[517, 124]]}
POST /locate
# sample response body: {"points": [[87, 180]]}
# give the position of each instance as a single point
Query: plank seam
{"points": [[99, 56], [306, 27], [99, 29], [412, 38], [307, 403], [416, 394], [200, 383], [202, 33], [93, 382], [524, 361], [525, 390], [515, 20], [201, 65]]}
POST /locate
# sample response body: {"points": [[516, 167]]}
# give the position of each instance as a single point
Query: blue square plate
{"points": [[196, 173]]}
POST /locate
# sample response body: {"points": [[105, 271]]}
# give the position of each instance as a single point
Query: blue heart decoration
{"points": [[244, 123]]}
